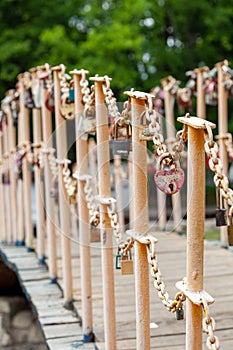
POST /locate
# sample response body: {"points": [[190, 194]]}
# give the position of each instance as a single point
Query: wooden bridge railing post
{"points": [[13, 180], [222, 130], [84, 227], [49, 201], [6, 182], [201, 104], [102, 135], [3, 232], [170, 128], [26, 173], [140, 222], [195, 227], [64, 210], [37, 143]]}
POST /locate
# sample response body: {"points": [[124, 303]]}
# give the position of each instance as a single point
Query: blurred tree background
{"points": [[136, 42]]}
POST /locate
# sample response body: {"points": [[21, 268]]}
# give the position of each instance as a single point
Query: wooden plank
{"points": [[61, 331], [69, 343]]}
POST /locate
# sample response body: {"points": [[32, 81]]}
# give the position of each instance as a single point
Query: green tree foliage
{"points": [[136, 42]]}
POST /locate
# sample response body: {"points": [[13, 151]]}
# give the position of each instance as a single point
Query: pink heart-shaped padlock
{"points": [[169, 181]]}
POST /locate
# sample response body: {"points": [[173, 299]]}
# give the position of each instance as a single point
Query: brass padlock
{"points": [[126, 264], [121, 146], [230, 231], [95, 234], [221, 215]]}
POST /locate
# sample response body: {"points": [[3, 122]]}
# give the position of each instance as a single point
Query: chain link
{"points": [[221, 181], [71, 184], [88, 93], [53, 164], [167, 158], [91, 204], [171, 305], [208, 325], [123, 246]]}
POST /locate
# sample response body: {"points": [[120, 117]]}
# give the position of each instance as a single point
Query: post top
{"points": [[201, 69], [195, 122], [167, 79], [100, 79], [220, 64], [79, 71], [139, 95], [32, 70], [59, 68]]}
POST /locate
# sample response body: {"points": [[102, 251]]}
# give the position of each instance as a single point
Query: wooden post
{"points": [[131, 209], [105, 225], [37, 139], [201, 105], [119, 190], [49, 201], [24, 115], [195, 227], [3, 233], [13, 183], [222, 130], [20, 192], [6, 182], [140, 222], [64, 210], [170, 128], [84, 227]]}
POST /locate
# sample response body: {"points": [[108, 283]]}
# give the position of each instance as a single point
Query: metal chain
{"points": [[91, 204], [53, 164], [123, 246], [208, 325], [37, 156], [64, 78], [70, 183], [167, 157], [221, 181], [171, 305], [110, 99], [88, 93]]}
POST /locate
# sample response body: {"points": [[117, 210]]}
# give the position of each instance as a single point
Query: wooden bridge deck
{"points": [[62, 328]]}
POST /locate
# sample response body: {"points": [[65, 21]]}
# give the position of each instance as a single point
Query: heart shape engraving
{"points": [[169, 181]]}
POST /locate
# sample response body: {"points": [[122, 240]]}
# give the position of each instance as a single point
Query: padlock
{"points": [[49, 100], [71, 95], [180, 314], [221, 215], [36, 92], [67, 108], [88, 121], [126, 264], [95, 234], [118, 261], [121, 146], [230, 231], [72, 193], [29, 103]]}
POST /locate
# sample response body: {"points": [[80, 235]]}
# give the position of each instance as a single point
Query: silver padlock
{"points": [[121, 144]]}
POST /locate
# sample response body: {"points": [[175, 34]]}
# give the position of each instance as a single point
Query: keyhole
{"points": [[171, 186]]}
